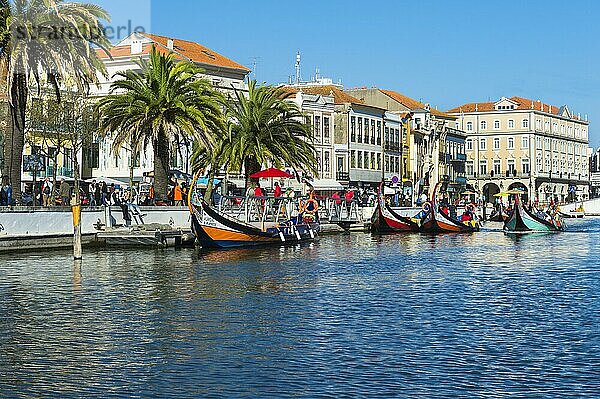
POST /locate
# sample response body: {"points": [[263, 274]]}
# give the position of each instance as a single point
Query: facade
{"points": [[320, 114], [594, 163], [358, 138], [520, 143], [424, 135], [225, 75]]}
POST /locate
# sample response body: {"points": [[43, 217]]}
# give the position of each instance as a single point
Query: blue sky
{"points": [[442, 52]]}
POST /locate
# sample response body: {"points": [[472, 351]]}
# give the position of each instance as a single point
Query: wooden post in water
{"points": [[77, 230]]}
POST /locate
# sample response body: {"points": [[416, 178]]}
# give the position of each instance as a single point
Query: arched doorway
{"points": [[488, 191], [520, 186]]}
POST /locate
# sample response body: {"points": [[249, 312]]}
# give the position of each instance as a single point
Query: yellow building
{"points": [[520, 143]]}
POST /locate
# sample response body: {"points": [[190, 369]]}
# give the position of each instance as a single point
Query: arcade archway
{"points": [[488, 191], [522, 187]]}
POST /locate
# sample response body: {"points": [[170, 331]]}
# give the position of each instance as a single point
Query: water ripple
{"points": [[478, 316]]}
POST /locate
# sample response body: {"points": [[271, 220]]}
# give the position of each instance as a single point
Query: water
{"points": [[482, 315]]}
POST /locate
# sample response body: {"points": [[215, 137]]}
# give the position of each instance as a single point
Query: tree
{"points": [[164, 102], [50, 38], [263, 128]]}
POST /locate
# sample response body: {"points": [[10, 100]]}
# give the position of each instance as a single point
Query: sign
{"points": [[33, 163], [395, 179]]}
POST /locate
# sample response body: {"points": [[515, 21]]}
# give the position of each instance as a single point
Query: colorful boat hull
{"points": [[521, 220], [436, 221], [386, 220], [215, 230]]}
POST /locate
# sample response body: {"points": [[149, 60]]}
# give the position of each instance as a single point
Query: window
{"points": [[496, 124], [378, 132], [372, 165], [397, 164], [562, 129], [359, 131], [555, 127], [482, 167], [482, 144], [378, 166], [326, 129], [469, 143], [317, 128], [497, 167], [546, 126], [483, 125], [352, 160], [353, 129], [326, 162], [319, 168], [524, 142], [360, 161], [469, 168], [373, 131], [525, 123], [538, 124], [387, 163], [469, 126], [496, 143], [511, 166], [387, 135], [511, 124], [366, 159], [510, 143]]}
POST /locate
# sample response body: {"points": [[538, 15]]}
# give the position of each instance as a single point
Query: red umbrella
{"points": [[271, 172]]}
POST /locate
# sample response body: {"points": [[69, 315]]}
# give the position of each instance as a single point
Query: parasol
{"points": [[271, 172]]}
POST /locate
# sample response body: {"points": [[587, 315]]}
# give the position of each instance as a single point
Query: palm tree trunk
{"points": [[251, 166], [210, 186], [161, 166], [16, 136]]}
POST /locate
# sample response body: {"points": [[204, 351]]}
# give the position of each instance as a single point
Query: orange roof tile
{"points": [[182, 48], [413, 104], [522, 103], [339, 96]]}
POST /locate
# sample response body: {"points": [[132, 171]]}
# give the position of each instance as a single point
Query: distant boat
{"points": [[386, 220], [436, 221], [522, 220], [578, 212]]}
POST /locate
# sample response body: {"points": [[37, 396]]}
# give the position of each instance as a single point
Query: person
{"points": [[150, 199], [64, 191], [277, 192], [47, 192], [178, 195], [337, 198], [349, 197], [92, 193], [104, 193], [6, 193], [258, 192]]}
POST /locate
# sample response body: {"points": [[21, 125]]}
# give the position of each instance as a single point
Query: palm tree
{"points": [[49, 39], [264, 128], [164, 102]]}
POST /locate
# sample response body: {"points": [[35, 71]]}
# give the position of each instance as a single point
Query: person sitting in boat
{"points": [[423, 212], [467, 216], [445, 210]]}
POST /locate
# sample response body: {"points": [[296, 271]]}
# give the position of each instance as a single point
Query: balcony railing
{"points": [[342, 176]]}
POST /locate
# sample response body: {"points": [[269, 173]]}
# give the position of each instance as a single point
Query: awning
{"points": [[325, 185], [202, 182]]}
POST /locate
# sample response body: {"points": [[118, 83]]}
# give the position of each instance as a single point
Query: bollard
{"points": [[76, 231]]}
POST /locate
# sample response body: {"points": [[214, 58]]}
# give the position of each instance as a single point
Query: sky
{"points": [[445, 53]]}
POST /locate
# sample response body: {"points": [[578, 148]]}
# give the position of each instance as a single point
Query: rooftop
{"points": [[183, 49]]}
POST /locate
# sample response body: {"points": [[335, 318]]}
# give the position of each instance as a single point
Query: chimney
{"points": [[170, 44], [136, 47]]}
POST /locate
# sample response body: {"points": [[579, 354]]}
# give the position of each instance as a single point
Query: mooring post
{"points": [[76, 231]]}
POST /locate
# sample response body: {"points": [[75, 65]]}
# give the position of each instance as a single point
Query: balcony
{"points": [[342, 176]]}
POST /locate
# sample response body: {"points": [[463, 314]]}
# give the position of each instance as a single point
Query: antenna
{"points": [[298, 67], [317, 74], [255, 61]]}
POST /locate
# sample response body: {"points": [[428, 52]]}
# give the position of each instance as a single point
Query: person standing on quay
{"points": [[47, 192], [65, 193], [178, 195], [277, 192], [92, 193]]}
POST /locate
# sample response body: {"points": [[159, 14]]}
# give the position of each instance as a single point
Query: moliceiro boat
{"points": [[523, 220], [215, 228], [436, 219], [386, 220]]}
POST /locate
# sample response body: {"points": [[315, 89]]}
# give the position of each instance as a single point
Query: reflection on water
{"points": [[481, 315]]}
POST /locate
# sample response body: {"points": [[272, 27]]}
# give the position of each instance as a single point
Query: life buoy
{"points": [[426, 207], [314, 209]]}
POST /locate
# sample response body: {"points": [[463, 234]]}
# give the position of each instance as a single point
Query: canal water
{"points": [[478, 316]]}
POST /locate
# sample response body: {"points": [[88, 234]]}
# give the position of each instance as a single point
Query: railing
{"points": [[342, 176], [277, 209]]}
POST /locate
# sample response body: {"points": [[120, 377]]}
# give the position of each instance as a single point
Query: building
{"points": [[225, 74], [358, 141], [594, 157], [320, 114], [432, 148], [520, 143]]}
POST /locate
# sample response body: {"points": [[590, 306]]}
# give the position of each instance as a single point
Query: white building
{"points": [[225, 74]]}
